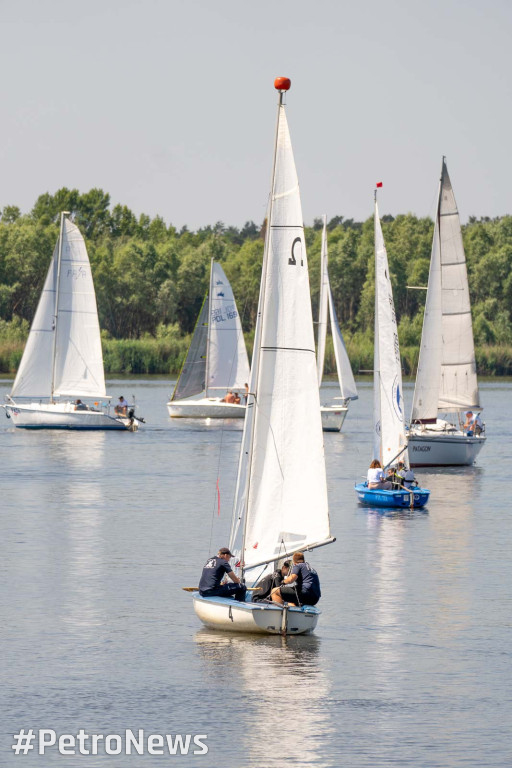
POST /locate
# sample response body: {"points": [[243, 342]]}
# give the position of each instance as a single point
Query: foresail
{"points": [[388, 372], [192, 377], [78, 358], [428, 377], [287, 492], [228, 365], [322, 305], [459, 387], [345, 376], [34, 376]]}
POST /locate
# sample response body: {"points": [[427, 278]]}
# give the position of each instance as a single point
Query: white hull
{"points": [[333, 417], [432, 449], [261, 618], [206, 408], [64, 416]]}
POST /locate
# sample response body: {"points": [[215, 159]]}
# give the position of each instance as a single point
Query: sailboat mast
{"points": [[207, 367], [282, 85], [377, 441], [56, 316]]}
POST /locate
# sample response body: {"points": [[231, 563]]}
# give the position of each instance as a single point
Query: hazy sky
{"points": [[169, 105]]}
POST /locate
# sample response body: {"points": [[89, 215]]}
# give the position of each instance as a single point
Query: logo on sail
{"points": [[396, 399]]}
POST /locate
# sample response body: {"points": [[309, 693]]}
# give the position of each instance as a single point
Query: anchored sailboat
{"points": [[333, 415], [63, 358], [216, 361], [446, 381], [389, 442], [281, 499]]}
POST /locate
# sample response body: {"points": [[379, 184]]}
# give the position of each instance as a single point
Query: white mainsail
{"points": [[228, 364], [282, 490], [446, 381], [64, 344], [389, 435], [343, 367]]}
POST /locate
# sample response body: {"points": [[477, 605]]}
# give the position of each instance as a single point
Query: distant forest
{"points": [[150, 279]]}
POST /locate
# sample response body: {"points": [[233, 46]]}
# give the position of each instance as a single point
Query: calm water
{"points": [[410, 663]]}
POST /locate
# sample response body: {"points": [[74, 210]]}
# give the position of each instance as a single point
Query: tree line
{"points": [[150, 278]]}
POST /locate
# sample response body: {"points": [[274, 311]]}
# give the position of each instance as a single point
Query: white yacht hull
{"points": [[64, 416], [262, 618], [206, 408], [333, 417], [432, 449]]}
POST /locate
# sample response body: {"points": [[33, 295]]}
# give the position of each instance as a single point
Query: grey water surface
{"points": [[410, 664]]}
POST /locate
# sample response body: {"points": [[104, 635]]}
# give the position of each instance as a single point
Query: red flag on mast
{"points": [[379, 184]]}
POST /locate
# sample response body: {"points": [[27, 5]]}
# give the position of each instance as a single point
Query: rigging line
{"points": [[273, 437]]}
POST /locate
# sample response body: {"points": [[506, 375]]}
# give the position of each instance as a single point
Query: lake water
{"points": [[410, 662]]}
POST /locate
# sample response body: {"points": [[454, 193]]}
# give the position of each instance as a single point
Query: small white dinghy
{"points": [[216, 360], [446, 381], [63, 359], [281, 497], [333, 415]]}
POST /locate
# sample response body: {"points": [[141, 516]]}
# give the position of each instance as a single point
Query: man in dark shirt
{"points": [[267, 584], [214, 571], [301, 587]]}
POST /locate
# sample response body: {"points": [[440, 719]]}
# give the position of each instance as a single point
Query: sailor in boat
{"points": [[79, 406], [214, 571], [473, 424], [237, 398], [270, 582], [246, 393], [403, 477], [121, 408], [377, 479], [229, 398], [301, 587]]}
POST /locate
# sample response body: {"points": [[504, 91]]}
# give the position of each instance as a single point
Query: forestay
{"points": [[389, 435], [282, 484], [73, 359], [228, 365], [446, 379]]}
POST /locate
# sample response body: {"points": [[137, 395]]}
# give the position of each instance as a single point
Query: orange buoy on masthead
{"points": [[282, 83]]}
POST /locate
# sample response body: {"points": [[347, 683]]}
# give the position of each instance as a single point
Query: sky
{"points": [[169, 105]]}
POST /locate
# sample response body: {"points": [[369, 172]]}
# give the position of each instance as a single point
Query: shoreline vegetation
{"points": [[151, 278]]}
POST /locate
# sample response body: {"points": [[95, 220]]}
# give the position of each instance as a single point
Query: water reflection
{"points": [[82, 502], [284, 690]]}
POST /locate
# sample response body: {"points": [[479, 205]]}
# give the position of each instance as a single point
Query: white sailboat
{"points": [[281, 498], [446, 381], [216, 361], [63, 359], [333, 415], [389, 440]]}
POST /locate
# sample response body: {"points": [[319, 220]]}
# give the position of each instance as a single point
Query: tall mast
{"points": [[56, 316], [281, 84], [207, 366]]}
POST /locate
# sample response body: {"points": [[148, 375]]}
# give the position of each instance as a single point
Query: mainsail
{"points": [[343, 367], [446, 381], [282, 491], [64, 344], [389, 434]]}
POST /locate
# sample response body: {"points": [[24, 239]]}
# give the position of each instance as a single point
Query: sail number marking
{"points": [[292, 260]]}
